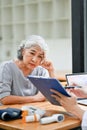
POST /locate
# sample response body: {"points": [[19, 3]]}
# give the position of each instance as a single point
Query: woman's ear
{"points": [[23, 51]]}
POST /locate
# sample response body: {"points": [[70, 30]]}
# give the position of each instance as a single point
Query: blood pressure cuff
{"points": [[10, 114]]}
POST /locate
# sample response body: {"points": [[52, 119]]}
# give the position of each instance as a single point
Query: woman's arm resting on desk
{"points": [[12, 99]]}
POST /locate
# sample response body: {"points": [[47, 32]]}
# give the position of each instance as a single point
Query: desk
{"points": [[60, 75], [68, 123]]}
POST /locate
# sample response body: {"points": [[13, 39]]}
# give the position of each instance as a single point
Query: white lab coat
{"points": [[84, 121]]}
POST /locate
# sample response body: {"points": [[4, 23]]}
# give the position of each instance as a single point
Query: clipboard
{"points": [[45, 84]]}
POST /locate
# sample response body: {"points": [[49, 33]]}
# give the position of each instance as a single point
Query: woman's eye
{"points": [[40, 57], [32, 53]]}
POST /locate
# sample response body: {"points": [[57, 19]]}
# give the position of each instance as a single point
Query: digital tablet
{"points": [[76, 79], [45, 84], [82, 101]]}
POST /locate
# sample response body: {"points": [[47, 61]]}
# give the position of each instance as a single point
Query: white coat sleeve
{"points": [[84, 121]]}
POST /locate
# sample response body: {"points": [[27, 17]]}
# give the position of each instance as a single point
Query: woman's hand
{"points": [[49, 66], [38, 97]]}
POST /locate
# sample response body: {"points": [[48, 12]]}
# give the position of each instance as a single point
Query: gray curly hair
{"points": [[33, 40]]}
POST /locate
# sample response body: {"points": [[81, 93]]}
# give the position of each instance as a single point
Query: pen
{"points": [[72, 87], [81, 99]]}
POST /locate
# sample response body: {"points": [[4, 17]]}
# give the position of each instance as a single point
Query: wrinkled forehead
{"points": [[36, 49]]}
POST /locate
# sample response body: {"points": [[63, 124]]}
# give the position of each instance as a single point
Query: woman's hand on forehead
{"points": [[47, 65]]}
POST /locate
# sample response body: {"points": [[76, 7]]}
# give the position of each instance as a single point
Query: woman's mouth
{"points": [[33, 65]]}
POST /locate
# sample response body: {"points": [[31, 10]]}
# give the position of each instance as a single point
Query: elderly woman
{"points": [[15, 87]]}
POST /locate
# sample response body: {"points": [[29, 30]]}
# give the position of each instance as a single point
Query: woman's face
{"points": [[32, 57]]}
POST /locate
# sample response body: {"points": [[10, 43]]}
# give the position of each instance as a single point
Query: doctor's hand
{"points": [[69, 103], [66, 102], [79, 92]]}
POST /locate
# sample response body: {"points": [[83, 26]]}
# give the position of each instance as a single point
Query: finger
{"points": [[56, 97], [56, 92]]}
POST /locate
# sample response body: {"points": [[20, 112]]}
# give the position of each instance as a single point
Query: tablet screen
{"points": [[76, 79]]}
